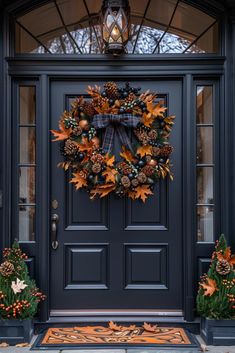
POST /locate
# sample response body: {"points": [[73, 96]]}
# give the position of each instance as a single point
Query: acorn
{"points": [[84, 124]]}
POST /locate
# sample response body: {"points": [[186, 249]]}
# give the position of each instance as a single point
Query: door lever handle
{"points": [[54, 221]]}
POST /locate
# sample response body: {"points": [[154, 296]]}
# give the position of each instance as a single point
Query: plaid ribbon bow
{"points": [[115, 123]]}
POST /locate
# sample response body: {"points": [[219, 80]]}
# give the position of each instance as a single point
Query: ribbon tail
{"points": [[122, 134], [108, 139]]}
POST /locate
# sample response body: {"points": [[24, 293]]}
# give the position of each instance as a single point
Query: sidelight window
{"points": [[205, 163], [26, 163], [157, 27]]}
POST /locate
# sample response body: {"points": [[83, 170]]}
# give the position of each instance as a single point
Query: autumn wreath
{"points": [[142, 127]]}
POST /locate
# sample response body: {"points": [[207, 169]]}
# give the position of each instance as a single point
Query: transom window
{"points": [[157, 27]]}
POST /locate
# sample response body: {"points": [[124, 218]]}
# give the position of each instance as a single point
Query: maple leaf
{"points": [[132, 194], [127, 155], [147, 119], [109, 175], [142, 192], [210, 287], [143, 150], [116, 327], [156, 109], [150, 328], [227, 256], [102, 190], [78, 180], [85, 145], [63, 134], [169, 119], [109, 160]]}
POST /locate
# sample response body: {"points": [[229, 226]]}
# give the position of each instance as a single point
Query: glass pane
{"points": [[205, 223], [27, 184], [205, 185], [204, 145], [27, 105], [204, 104], [26, 223], [27, 144], [44, 25], [208, 43]]}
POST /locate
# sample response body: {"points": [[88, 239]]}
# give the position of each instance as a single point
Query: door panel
{"points": [[116, 253]]}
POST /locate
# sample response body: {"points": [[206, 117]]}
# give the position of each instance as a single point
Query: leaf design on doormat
{"points": [[150, 328]]}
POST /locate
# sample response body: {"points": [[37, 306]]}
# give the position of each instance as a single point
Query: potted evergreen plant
{"points": [[216, 297], [19, 297]]}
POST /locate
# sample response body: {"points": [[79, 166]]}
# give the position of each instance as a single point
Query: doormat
{"points": [[113, 335]]}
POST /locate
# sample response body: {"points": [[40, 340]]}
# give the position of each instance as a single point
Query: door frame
{"points": [[44, 70]]}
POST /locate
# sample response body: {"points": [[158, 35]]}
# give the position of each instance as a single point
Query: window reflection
{"points": [[26, 163], [205, 163]]}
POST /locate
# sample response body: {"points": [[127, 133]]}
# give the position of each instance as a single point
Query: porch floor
{"points": [[209, 349]]}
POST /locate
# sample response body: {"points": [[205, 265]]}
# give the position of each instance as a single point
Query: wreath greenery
{"points": [[111, 110]]}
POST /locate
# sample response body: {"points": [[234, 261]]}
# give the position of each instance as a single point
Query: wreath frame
{"points": [[114, 109]]}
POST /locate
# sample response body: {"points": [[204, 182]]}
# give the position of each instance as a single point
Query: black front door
{"points": [[115, 253]]}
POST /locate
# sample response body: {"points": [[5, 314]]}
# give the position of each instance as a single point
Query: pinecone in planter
{"points": [[6, 269], [111, 89], [88, 108], [70, 148], [223, 267]]}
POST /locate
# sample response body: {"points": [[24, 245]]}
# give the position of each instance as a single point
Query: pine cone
{"points": [[96, 168], [100, 101], [142, 177], [127, 170], [6, 269], [223, 267], [130, 98], [88, 108], [166, 151], [77, 131], [97, 158], [111, 89], [152, 134], [70, 148], [148, 170], [125, 181], [134, 182]]}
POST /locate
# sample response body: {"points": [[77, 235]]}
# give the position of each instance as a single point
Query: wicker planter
{"points": [[218, 332], [16, 331]]}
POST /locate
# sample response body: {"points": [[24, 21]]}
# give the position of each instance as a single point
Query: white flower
{"points": [[18, 285]]}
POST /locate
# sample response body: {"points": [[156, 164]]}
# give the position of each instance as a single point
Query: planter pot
{"points": [[218, 332], [16, 331]]}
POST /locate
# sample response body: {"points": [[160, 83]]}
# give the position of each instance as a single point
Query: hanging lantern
{"points": [[115, 25]]}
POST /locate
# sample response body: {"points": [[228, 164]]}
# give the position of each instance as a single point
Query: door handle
{"points": [[54, 221]]}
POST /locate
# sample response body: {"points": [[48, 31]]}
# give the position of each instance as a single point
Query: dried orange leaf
{"points": [[102, 190], [156, 109], [109, 160], [78, 180], [142, 192], [143, 150], [109, 175], [150, 328], [127, 155], [63, 134], [210, 287]]}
